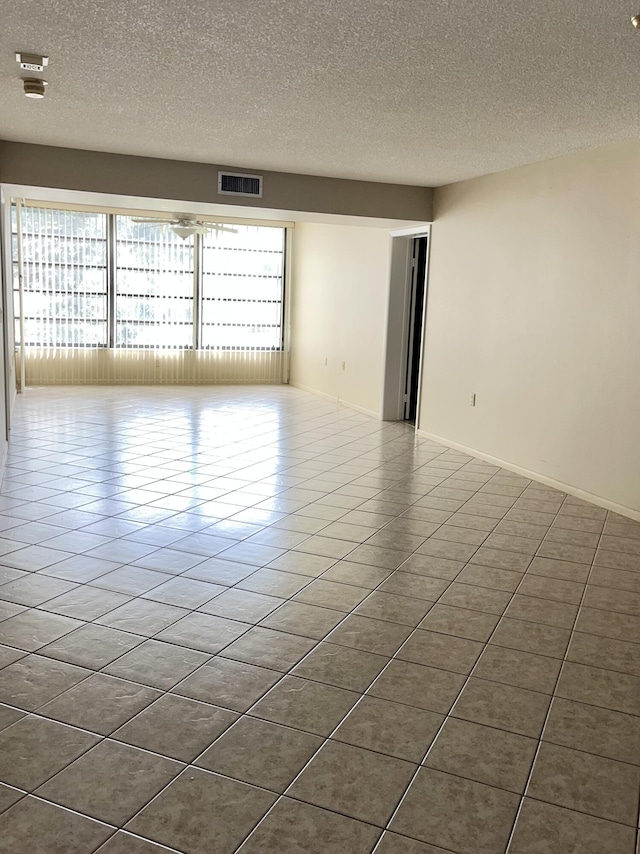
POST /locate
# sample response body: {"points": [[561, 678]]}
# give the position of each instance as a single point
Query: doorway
{"points": [[414, 327]]}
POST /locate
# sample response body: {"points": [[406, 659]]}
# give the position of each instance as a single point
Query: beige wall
{"points": [[94, 171], [338, 312], [534, 305]]}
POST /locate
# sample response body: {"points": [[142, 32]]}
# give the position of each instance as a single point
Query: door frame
{"points": [[398, 330]]}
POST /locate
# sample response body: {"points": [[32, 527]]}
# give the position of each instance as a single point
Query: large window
{"points": [[102, 280], [242, 288], [65, 278], [154, 286]]}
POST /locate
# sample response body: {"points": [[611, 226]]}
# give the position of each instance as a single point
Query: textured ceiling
{"points": [[411, 92]]}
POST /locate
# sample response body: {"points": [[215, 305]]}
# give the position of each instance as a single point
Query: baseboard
{"points": [[335, 399], [605, 503]]}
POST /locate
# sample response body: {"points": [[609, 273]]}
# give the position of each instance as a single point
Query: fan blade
{"points": [[149, 221]]}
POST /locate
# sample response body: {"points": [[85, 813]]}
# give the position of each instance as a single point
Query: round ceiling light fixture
{"points": [[636, 21], [33, 87]]}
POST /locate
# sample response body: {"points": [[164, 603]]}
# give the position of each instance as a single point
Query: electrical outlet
{"points": [[472, 401], [344, 366]]}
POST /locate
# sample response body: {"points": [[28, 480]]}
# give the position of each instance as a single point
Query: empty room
{"points": [[319, 456]]}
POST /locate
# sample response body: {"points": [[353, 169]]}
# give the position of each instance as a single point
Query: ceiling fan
{"points": [[184, 225]]}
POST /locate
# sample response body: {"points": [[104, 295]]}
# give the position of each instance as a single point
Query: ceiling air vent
{"points": [[238, 184]]}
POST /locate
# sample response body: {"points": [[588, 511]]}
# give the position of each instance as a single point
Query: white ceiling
{"points": [[410, 91]]}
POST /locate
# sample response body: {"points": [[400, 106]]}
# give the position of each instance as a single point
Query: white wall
{"points": [[534, 304], [340, 281]]}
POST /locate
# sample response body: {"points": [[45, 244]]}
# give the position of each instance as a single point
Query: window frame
{"points": [[197, 297], [67, 320]]}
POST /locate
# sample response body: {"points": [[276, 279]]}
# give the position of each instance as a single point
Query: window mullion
{"points": [[111, 280], [197, 292]]}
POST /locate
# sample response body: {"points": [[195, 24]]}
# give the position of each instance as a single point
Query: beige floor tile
{"points": [[434, 567], [231, 684], [476, 598], [9, 716], [100, 703], [268, 648], [308, 621], [605, 652], [198, 548], [484, 754], [203, 632], [341, 666], [561, 569], [502, 706], [159, 665], [604, 623], [177, 727], [417, 685], [332, 594], [33, 680], [261, 753], [34, 749], [461, 815], [273, 582], [356, 782], [394, 608], [293, 827], [486, 576], [9, 796], [606, 598], [605, 688], [500, 559], [111, 782], [85, 603], [8, 655], [586, 783], [369, 635], [522, 669], [142, 617], [202, 812], [393, 843], [545, 611], [309, 706], [34, 827], [415, 586], [92, 646], [356, 574], [242, 605], [392, 728], [594, 730], [531, 637], [461, 622], [124, 843], [546, 829], [33, 629], [438, 650]]}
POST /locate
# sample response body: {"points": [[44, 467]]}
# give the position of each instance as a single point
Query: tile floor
{"points": [[247, 619]]}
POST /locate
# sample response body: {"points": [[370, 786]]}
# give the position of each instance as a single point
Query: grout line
{"points": [[557, 682], [347, 511]]}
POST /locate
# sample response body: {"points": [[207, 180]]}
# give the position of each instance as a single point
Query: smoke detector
{"points": [[33, 87], [32, 61]]}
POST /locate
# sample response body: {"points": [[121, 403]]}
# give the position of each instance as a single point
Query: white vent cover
{"points": [[239, 184]]}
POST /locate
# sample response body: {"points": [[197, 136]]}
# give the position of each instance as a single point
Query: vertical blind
{"points": [[65, 278], [95, 280], [154, 290], [242, 288]]}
